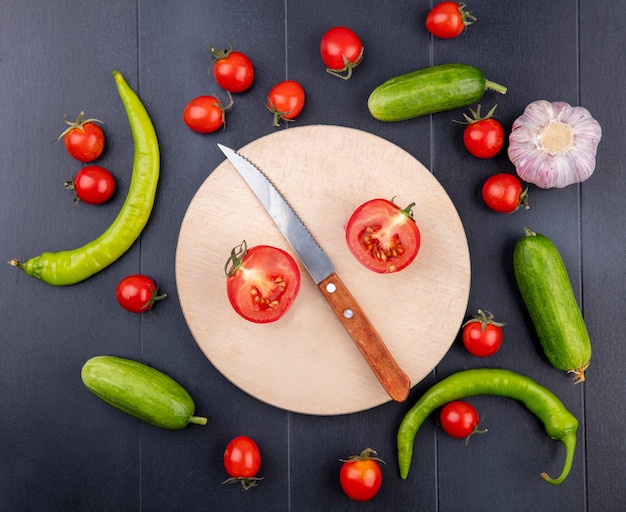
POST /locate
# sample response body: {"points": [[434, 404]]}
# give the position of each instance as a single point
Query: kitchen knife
{"points": [[318, 264]]}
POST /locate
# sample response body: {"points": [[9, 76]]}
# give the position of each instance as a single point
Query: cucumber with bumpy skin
{"points": [[429, 90], [141, 391], [546, 289]]}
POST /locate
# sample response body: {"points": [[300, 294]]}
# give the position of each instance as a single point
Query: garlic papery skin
{"points": [[553, 145]]}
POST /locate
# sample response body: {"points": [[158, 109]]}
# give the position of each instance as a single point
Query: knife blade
{"points": [[317, 263]]}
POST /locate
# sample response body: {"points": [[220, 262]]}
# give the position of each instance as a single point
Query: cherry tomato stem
{"points": [[485, 318]]}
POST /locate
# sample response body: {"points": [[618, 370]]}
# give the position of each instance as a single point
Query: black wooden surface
{"points": [[63, 449]]}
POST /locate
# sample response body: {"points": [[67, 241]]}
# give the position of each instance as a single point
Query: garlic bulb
{"points": [[553, 144]]}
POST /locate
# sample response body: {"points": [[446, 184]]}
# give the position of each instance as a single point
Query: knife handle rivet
{"points": [[331, 288], [348, 313]]}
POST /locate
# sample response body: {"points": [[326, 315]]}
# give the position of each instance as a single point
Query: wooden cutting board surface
{"points": [[306, 362]]}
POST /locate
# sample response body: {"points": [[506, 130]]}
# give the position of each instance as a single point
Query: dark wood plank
{"points": [[538, 61], [174, 71], [603, 240], [60, 449]]}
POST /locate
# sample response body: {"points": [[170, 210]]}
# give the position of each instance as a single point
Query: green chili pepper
{"points": [[559, 423], [72, 266]]}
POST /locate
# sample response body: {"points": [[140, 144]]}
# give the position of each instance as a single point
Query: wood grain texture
{"points": [[306, 362]]}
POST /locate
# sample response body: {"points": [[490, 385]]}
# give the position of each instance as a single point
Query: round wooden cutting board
{"points": [[306, 362]]}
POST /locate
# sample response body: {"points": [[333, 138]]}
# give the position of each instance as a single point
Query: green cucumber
{"points": [[429, 90], [546, 289], [141, 391]]}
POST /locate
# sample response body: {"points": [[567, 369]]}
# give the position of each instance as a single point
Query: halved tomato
{"points": [[263, 281], [383, 236]]}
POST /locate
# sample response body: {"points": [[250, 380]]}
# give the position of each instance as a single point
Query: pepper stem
{"points": [[15, 263]]}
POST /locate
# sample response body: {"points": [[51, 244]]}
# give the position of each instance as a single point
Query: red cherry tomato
{"points": [[360, 476], [92, 184], [382, 236], [205, 114], [285, 100], [482, 335], [137, 293], [233, 71], [341, 51], [503, 193], [242, 460], [483, 136], [84, 139], [262, 283], [459, 419], [448, 19]]}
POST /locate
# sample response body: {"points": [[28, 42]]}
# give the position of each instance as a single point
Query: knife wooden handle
{"points": [[372, 347]]}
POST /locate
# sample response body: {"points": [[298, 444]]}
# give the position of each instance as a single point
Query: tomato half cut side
{"points": [[382, 236], [263, 282]]}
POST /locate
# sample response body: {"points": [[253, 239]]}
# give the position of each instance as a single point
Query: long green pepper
{"points": [[559, 423], [72, 266]]}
